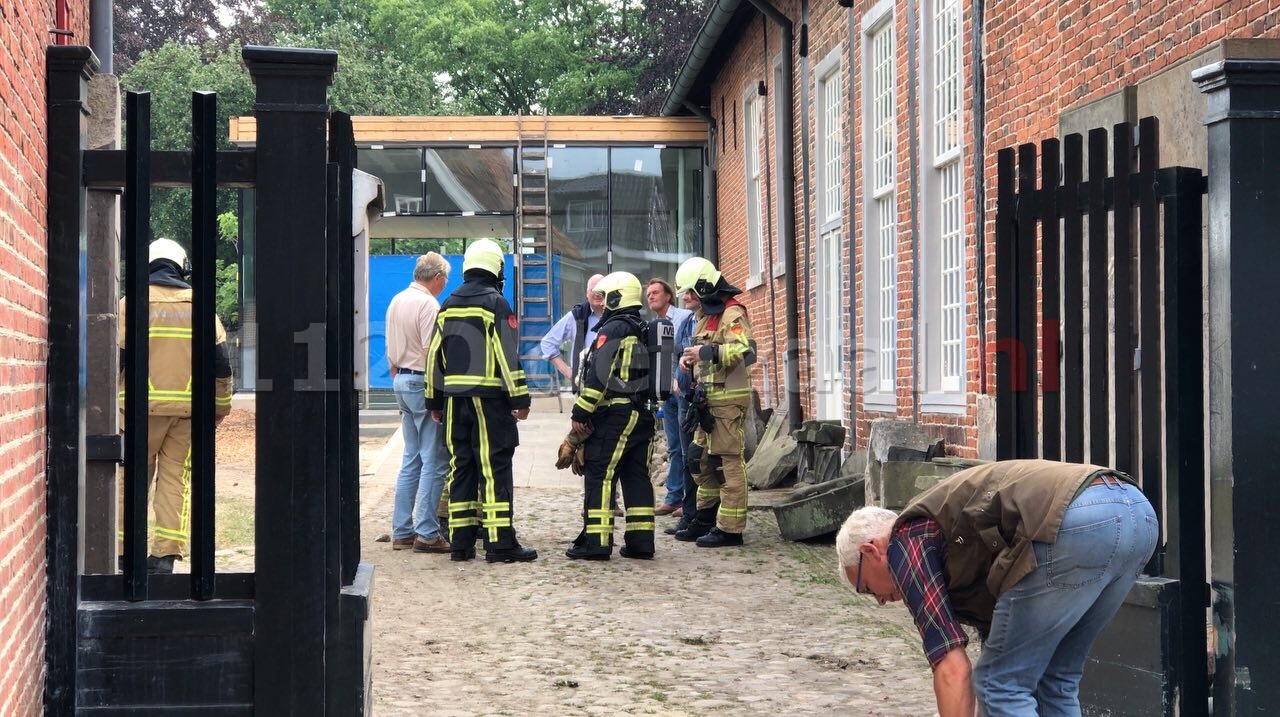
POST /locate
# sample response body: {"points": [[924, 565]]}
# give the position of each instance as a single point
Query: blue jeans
{"points": [[691, 489], [425, 464], [1043, 627], [678, 478]]}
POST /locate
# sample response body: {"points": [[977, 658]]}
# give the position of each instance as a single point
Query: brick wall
{"points": [[1047, 58], [1040, 60], [24, 33]]}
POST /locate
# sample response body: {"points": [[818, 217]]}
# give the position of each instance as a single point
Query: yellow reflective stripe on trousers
{"points": [[486, 469], [454, 520], [606, 492]]}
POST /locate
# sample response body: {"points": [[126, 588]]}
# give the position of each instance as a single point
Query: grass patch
{"points": [[234, 523]]}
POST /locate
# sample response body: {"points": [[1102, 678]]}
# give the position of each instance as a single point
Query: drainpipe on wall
{"points": [[711, 226], [913, 141], [101, 33], [980, 184], [787, 208]]}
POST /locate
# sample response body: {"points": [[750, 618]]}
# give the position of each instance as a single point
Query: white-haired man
{"points": [[1037, 555]]}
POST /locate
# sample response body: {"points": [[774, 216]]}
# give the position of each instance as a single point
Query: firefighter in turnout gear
{"points": [[720, 359], [476, 389], [613, 406], [169, 401]]}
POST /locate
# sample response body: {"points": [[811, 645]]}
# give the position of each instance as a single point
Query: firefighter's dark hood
{"points": [[714, 305]]}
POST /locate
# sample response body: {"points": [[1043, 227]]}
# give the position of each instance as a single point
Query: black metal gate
{"points": [[290, 638], [1099, 325]]}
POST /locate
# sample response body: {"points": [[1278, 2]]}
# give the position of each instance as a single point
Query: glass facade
{"points": [[629, 208], [636, 209]]}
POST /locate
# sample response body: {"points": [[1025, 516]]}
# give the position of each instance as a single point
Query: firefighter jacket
{"points": [[990, 515], [617, 365], [724, 362], [169, 360], [474, 348]]}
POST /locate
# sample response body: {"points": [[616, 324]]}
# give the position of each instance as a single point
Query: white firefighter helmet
{"points": [[168, 249], [484, 254], [621, 290], [697, 275]]}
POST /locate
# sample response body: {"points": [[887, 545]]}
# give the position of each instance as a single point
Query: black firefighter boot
{"points": [[703, 522], [717, 538], [581, 551], [517, 553]]}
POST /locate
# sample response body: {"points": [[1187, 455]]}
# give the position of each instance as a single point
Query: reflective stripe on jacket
{"points": [[727, 375], [169, 336], [474, 348]]}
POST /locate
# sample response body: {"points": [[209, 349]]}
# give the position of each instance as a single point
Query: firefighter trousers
{"points": [[723, 475], [618, 451], [481, 435], [168, 484]]}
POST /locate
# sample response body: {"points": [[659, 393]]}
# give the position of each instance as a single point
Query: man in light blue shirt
{"points": [[576, 328], [661, 299]]}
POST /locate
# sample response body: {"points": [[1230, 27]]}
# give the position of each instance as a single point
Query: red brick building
{"points": [[24, 33], [897, 111]]}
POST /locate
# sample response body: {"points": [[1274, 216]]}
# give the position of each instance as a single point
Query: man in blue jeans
{"points": [[661, 300], [1037, 555], [411, 317], [684, 384]]}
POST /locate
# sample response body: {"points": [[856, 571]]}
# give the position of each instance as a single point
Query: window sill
{"points": [[880, 403], [754, 281], [955, 404]]}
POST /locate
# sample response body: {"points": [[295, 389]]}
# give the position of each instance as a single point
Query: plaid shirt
{"points": [[917, 550]]}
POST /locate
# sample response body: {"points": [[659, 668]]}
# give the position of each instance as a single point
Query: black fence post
{"points": [[1244, 380], [293, 566], [69, 70]]}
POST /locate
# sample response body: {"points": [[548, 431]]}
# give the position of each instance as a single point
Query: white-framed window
{"points": [[880, 210], [944, 270], [753, 166], [830, 169]]}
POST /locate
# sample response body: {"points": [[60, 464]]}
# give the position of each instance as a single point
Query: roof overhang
{"points": [[725, 22]]}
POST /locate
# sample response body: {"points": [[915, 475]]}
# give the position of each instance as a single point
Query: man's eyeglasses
{"points": [[597, 294], [857, 580]]}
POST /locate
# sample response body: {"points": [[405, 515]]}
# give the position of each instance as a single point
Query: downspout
{"points": [[855, 46], [709, 222], [101, 33], [787, 207], [980, 184], [913, 141]]}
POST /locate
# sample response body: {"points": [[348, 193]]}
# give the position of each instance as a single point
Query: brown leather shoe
{"points": [[403, 543], [437, 544], [665, 509]]}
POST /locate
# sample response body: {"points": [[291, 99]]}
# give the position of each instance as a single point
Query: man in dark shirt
{"points": [[1036, 555]]}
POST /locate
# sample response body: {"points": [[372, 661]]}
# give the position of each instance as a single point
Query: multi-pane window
{"points": [[831, 147], [830, 169], [753, 116], [883, 234], [947, 239]]}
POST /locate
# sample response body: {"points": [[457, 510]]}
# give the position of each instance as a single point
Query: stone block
{"points": [[818, 464], [819, 513], [855, 464], [904, 480], [775, 459], [822, 433], [895, 440]]}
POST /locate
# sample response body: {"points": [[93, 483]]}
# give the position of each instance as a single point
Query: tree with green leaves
{"points": [[497, 57]]}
